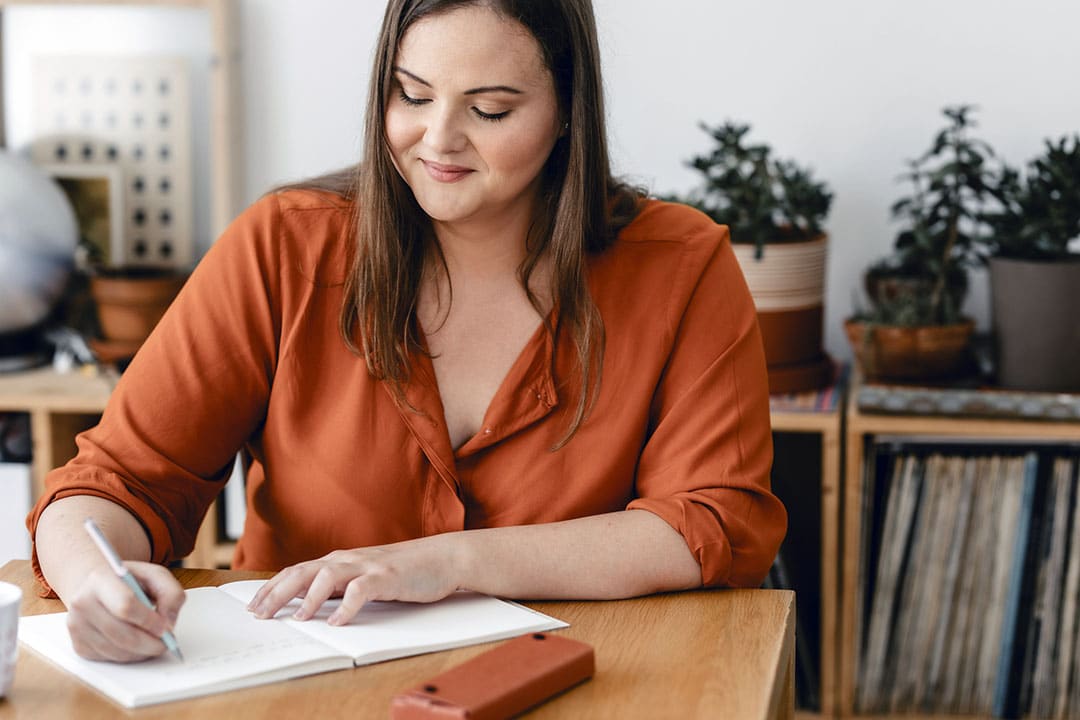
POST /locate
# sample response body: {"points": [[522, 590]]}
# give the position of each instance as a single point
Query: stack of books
{"points": [[827, 399], [980, 402]]}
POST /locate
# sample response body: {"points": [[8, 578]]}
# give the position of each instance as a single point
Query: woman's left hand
{"points": [[423, 570]]}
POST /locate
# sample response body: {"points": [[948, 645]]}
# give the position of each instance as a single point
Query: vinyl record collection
{"points": [[969, 580]]}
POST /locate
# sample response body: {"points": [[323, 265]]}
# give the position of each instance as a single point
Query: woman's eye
{"points": [[408, 100], [494, 117], [416, 102]]}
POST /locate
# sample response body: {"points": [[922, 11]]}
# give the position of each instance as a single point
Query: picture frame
{"points": [[96, 194]]}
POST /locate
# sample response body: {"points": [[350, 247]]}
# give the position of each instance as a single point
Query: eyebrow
{"points": [[473, 91]]}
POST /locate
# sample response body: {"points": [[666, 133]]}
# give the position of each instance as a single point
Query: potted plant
{"points": [[774, 202], [914, 328], [1034, 277], [129, 301]]}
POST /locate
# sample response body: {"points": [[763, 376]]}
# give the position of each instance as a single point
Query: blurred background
{"points": [[850, 88]]}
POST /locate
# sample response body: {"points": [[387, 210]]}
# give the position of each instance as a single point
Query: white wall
{"points": [[852, 88], [114, 31]]}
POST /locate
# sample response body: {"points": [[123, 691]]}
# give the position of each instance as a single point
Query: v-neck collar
{"points": [[526, 394]]}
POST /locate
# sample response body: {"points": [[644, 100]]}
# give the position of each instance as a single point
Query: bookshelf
{"points": [[861, 429], [63, 405], [816, 418], [60, 407]]}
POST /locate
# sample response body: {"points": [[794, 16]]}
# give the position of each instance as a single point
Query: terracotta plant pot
{"points": [[130, 303], [933, 352], [788, 287]]}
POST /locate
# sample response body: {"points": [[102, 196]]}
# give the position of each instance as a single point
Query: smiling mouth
{"points": [[445, 173]]}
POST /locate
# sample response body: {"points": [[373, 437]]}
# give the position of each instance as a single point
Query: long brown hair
{"points": [[581, 207]]}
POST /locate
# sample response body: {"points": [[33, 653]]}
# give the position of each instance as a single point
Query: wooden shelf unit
{"points": [[62, 406], [828, 425], [861, 427]]}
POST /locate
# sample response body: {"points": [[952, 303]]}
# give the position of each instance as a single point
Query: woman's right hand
{"points": [[107, 621]]}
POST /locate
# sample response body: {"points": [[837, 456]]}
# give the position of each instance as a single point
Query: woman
{"points": [[476, 363]]}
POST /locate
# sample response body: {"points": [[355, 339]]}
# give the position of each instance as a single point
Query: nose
{"points": [[444, 133]]}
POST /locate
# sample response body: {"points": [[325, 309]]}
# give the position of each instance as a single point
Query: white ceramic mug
{"points": [[10, 598]]}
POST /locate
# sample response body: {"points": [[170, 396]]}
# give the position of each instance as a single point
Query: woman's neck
{"points": [[484, 248], [475, 255], [481, 267]]}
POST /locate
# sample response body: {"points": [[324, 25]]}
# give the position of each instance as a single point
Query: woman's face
{"points": [[472, 117]]}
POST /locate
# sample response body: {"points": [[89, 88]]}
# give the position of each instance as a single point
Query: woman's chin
{"points": [[446, 212]]}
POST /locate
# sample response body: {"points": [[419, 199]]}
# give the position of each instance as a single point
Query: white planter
{"points": [[788, 287], [788, 276]]}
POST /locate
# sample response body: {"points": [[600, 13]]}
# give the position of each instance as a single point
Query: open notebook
{"points": [[225, 647]]}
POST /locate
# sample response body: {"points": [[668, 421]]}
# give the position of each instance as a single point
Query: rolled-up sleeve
{"points": [[706, 462], [191, 397]]}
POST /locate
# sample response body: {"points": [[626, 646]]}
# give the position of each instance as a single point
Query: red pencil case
{"points": [[501, 682]]}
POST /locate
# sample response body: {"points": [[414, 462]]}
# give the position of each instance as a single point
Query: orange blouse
{"points": [[250, 355]]}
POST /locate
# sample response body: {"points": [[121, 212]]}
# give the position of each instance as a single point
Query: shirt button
{"points": [[487, 431]]}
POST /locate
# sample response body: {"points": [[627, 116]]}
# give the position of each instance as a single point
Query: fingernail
{"points": [[335, 618], [300, 614]]}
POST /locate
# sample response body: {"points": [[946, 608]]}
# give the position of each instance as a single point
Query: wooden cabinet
{"points": [[826, 427], [62, 406], [861, 429]]}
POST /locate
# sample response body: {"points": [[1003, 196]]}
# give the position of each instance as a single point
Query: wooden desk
{"points": [[703, 654]]}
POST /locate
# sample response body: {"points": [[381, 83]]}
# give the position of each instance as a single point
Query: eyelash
{"points": [[410, 100], [488, 117]]}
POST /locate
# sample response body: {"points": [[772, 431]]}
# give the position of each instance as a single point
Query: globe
{"points": [[38, 236]]}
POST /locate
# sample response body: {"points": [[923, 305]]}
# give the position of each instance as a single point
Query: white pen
{"points": [[124, 574]]}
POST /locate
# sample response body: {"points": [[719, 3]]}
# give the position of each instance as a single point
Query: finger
{"points": [[120, 602], [88, 642], [261, 594], [93, 644], [281, 589], [323, 586], [360, 591], [98, 634], [163, 589], [129, 641]]}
